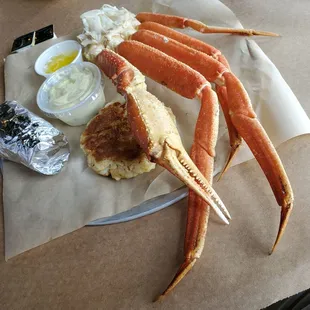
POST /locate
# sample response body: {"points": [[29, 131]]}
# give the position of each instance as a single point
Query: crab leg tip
{"points": [[182, 272], [224, 169], [158, 298], [285, 214], [220, 175], [265, 33], [231, 156]]}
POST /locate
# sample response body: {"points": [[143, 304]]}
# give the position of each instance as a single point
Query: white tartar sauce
{"points": [[72, 89], [77, 96]]}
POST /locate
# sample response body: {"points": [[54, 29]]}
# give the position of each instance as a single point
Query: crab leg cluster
{"points": [[165, 55], [164, 48]]}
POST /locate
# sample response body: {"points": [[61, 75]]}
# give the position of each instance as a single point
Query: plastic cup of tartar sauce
{"points": [[74, 94]]}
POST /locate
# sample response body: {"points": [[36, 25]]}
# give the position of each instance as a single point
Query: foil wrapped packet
{"points": [[30, 140]]}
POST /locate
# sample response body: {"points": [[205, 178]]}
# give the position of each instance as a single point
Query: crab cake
{"points": [[110, 147]]}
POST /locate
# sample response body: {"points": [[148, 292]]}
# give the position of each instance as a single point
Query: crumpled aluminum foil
{"points": [[30, 140]]}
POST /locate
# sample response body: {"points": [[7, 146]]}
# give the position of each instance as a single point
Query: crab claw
{"points": [[179, 164], [154, 128]]}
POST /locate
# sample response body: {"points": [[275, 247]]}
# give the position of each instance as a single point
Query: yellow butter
{"points": [[59, 61]]}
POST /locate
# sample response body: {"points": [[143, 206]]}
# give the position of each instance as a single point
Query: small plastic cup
{"points": [[82, 109], [57, 49]]}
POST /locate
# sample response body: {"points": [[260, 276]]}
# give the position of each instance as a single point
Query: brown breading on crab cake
{"points": [[110, 147]]}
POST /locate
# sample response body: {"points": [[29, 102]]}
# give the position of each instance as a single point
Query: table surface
{"points": [[110, 267]]}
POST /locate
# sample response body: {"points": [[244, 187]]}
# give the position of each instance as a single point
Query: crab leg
{"points": [[182, 22], [202, 153], [234, 137], [185, 39], [154, 129], [241, 113], [245, 120]]}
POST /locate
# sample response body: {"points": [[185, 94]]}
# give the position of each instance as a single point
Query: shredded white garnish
{"points": [[108, 26]]}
